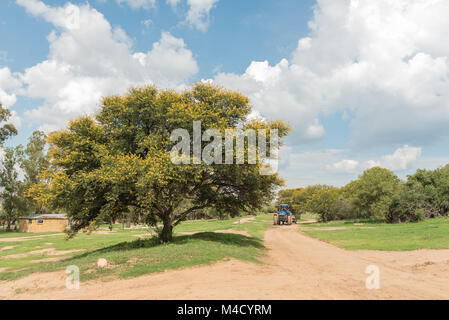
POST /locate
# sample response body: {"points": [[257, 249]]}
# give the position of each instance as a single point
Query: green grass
{"points": [[131, 256], [366, 235], [12, 234], [308, 216]]}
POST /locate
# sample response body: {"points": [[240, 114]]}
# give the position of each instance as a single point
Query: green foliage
{"points": [[7, 130], [100, 168], [377, 194], [370, 196], [325, 203], [425, 195], [33, 162], [11, 187], [373, 193]]}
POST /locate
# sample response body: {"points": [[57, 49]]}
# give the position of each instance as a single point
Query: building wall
{"points": [[49, 225]]}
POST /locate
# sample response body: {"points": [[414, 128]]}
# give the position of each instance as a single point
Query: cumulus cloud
{"points": [[95, 60], [386, 63], [346, 166], [400, 160], [280, 92], [199, 12], [8, 85]]}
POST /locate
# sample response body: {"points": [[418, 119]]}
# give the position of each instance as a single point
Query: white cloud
{"points": [[9, 84], [93, 61], [280, 92], [346, 166], [199, 11], [385, 62], [400, 160]]}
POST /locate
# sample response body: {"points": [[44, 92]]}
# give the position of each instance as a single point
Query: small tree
{"points": [[374, 191], [325, 202], [33, 162], [411, 204]]}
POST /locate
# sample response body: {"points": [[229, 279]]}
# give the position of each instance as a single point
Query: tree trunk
{"points": [[166, 235]]}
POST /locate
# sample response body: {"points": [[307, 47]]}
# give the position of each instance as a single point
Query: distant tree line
{"points": [[377, 194], [19, 169]]}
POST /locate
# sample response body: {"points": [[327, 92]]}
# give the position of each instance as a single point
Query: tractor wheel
{"points": [[276, 219], [290, 220]]}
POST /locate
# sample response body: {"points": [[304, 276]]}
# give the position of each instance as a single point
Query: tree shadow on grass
{"points": [[223, 238]]}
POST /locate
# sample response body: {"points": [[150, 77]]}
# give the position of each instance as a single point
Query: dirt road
{"points": [[297, 267]]}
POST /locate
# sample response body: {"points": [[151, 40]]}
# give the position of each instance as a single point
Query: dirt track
{"points": [[297, 267]]}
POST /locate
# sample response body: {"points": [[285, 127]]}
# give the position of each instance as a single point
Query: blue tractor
{"points": [[284, 215]]}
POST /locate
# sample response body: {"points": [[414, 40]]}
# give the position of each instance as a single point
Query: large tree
{"points": [[121, 159]]}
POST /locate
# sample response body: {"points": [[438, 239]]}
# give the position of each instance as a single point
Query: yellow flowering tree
{"points": [[102, 166]]}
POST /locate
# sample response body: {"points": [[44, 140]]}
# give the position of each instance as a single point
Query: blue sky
{"points": [[362, 83]]}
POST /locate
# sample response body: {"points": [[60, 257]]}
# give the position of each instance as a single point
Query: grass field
{"points": [[131, 252], [352, 235]]}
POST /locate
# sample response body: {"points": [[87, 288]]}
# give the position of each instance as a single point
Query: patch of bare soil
{"points": [[3, 269], [310, 221], [20, 239], [48, 251], [6, 248], [245, 220], [145, 235], [103, 232], [48, 259], [297, 265], [330, 228]]}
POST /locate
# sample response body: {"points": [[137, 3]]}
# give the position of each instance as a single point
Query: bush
{"points": [[411, 204], [419, 215], [373, 193]]}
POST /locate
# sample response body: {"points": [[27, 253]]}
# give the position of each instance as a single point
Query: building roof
{"points": [[45, 216]]}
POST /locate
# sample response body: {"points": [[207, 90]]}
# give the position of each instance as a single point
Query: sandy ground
{"points": [[48, 251], [297, 267], [245, 220]]}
